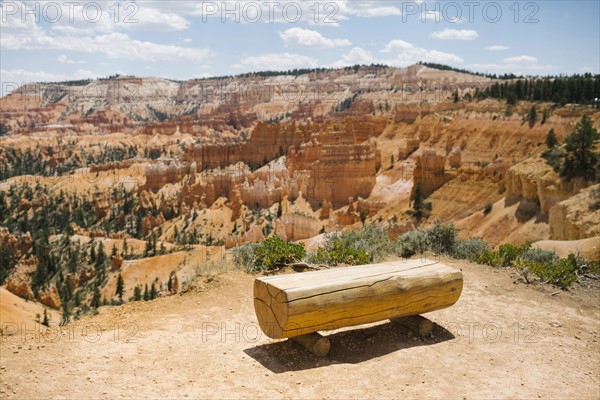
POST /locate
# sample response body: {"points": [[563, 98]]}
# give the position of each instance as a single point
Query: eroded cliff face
{"points": [[343, 165], [336, 172], [18, 245], [577, 217], [162, 173], [535, 181], [19, 281], [430, 171], [270, 141], [293, 226]]}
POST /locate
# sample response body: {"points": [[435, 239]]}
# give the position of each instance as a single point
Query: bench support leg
{"points": [[317, 344], [419, 325]]}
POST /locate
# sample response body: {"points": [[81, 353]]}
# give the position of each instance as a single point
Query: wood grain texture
{"points": [[298, 304]]}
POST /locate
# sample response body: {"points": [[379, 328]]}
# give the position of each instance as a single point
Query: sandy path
{"points": [[205, 345]]}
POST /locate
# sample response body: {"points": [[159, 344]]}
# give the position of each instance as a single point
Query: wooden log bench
{"points": [[298, 306]]}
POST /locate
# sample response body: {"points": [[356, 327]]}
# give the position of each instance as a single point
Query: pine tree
{"points": [[545, 117], [120, 288], [148, 247], [96, 298], [153, 292], [124, 252], [93, 252], [137, 293], [46, 322], [100, 264], [73, 261], [146, 293], [101, 256], [3, 207], [420, 207], [551, 139], [581, 159], [532, 116], [6, 261], [66, 315], [113, 252]]}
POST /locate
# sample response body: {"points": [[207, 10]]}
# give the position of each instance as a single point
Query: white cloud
{"points": [[152, 19], [63, 59], [515, 68], [113, 45], [455, 34], [518, 64], [420, 54], [402, 54], [355, 56], [306, 38], [79, 18], [21, 76], [16, 31], [329, 11], [396, 45], [407, 53], [521, 60], [187, 40], [279, 61], [497, 47], [27, 35], [432, 15]]}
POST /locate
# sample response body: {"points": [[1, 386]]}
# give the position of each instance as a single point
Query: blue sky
{"points": [[55, 40]]}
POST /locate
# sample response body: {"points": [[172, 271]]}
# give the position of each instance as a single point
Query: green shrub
{"points": [[275, 252], [372, 239], [441, 238], [554, 157], [472, 249], [487, 208], [271, 254], [411, 243], [539, 256], [370, 243], [561, 273], [336, 252], [510, 253], [594, 267], [492, 258], [244, 256]]}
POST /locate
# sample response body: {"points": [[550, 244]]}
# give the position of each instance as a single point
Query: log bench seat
{"points": [[300, 305]]}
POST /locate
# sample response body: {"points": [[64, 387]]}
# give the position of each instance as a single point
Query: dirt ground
{"points": [[501, 340]]}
